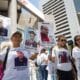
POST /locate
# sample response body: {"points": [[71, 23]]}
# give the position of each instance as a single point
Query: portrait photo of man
{"points": [[20, 60], [31, 41], [3, 30], [44, 33]]}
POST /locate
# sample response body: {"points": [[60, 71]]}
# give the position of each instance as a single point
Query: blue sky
{"points": [[35, 2], [77, 3]]}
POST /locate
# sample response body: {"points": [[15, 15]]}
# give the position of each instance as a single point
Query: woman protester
{"points": [[76, 54], [17, 64], [62, 59]]}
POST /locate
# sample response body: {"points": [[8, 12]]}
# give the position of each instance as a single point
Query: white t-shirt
{"points": [[44, 57], [51, 67], [76, 56], [41, 57], [62, 58], [17, 66]]}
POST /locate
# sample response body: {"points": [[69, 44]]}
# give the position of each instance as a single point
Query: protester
{"points": [[51, 66], [62, 59], [31, 44], [17, 65], [76, 54], [42, 61]]}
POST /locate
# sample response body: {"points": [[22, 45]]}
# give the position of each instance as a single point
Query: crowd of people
{"points": [[54, 64]]}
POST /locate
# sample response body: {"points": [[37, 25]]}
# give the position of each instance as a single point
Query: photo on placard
{"points": [[4, 28], [30, 41], [46, 34], [5, 32]]}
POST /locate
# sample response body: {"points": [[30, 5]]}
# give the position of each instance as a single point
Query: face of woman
{"points": [[62, 42], [16, 40], [78, 41]]}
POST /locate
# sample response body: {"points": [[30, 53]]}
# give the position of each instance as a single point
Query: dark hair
{"points": [[16, 33], [44, 27], [75, 39], [32, 32], [43, 50]]}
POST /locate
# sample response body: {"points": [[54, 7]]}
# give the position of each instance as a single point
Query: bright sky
{"points": [[77, 3], [35, 2]]}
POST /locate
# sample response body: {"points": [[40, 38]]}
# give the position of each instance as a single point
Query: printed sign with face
{"points": [[4, 28], [46, 34], [31, 42]]}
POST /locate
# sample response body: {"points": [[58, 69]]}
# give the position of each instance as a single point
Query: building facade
{"points": [[13, 10], [65, 17]]}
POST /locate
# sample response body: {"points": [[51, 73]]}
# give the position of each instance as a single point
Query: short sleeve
{"points": [[74, 53]]}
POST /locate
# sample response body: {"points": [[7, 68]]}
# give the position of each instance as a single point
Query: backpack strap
{"points": [[5, 59]]}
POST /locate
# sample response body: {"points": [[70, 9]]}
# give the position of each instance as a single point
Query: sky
{"points": [[77, 3], [35, 2]]}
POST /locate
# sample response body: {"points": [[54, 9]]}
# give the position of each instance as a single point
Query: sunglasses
{"points": [[63, 40], [77, 39]]}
